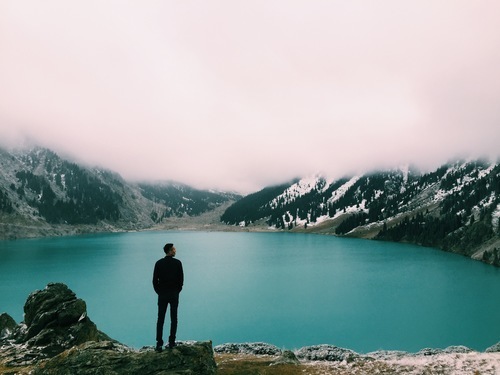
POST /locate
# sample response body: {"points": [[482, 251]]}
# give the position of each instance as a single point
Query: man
{"points": [[168, 279]]}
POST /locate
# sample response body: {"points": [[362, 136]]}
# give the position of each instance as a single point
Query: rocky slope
{"points": [[44, 194], [57, 337]]}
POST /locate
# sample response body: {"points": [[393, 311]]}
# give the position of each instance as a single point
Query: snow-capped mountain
{"points": [[456, 207]]}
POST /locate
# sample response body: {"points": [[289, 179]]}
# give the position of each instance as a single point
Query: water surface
{"points": [[286, 289]]}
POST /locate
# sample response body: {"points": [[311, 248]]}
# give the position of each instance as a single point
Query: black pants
{"points": [[164, 300]]}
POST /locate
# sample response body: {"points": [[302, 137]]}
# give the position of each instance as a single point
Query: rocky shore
{"points": [[329, 359], [57, 337]]}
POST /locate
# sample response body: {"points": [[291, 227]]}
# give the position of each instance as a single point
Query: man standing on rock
{"points": [[168, 279]]}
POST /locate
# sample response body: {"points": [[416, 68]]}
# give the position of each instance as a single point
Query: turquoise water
{"points": [[286, 289]]}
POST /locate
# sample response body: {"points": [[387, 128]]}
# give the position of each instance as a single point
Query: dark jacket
{"points": [[168, 275]]}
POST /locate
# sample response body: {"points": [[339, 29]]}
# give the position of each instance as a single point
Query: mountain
{"points": [[44, 194], [455, 208]]}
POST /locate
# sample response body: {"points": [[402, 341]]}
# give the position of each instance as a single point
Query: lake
{"points": [[287, 289]]}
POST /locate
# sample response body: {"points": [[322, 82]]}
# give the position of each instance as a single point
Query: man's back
{"points": [[168, 275]]}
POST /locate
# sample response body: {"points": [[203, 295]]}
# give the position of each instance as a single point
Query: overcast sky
{"points": [[238, 95]]}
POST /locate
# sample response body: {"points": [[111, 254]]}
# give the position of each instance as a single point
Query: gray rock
{"points": [[428, 351], [457, 349], [107, 357], [7, 325], [494, 348], [326, 353], [448, 350], [287, 357], [387, 354], [56, 320], [256, 348]]}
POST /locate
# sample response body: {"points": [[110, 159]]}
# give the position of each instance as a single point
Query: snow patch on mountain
{"points": [[461, 182], [299, 189], [485, 172], [339, 193], [495, 219]]}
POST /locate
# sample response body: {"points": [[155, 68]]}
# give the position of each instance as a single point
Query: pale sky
{"points": [[238, 95]]}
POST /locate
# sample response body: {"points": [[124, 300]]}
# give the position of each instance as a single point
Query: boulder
{"points": [[460, 349], [56, 320], [326, 353], [254, 348], [494, 348], [287, 357], [7, 325]]}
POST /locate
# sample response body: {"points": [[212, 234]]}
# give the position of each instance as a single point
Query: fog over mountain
{"points": [[241, 95], [42, 194]]}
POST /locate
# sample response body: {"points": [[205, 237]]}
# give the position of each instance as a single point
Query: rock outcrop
{"points": [[255, 358], [107, 357], [57, 337], [7, 325], [326, 353], [254, 348], [287, 357]]}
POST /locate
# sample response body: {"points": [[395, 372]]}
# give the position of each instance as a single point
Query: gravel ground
{"points": [[444, 364]]}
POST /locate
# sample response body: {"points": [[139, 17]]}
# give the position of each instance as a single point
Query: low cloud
{"points": [[237, 95]]}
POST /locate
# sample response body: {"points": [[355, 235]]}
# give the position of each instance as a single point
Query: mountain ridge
{"points": [[44, 194], [455, 208]]}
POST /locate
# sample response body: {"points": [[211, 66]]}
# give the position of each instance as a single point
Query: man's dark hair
{"points": [[168, 247]]}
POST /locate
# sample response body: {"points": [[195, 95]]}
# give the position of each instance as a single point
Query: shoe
{"points": [[158, 349], [171, 345]]}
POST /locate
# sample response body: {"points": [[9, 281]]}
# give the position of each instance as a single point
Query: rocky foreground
{"points": [[261, 358], [57, 337]]}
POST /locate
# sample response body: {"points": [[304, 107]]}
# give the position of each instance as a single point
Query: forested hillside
{"points": [[456, 207], [44, 194]]}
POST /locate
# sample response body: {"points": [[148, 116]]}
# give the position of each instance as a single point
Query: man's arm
{"points": [[155, 279], [181, 277]]}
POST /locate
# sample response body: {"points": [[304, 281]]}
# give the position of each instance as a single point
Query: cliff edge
{"points": [[57, 337]]}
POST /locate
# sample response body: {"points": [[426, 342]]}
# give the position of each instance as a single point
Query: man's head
{"points": [[169, 249]]}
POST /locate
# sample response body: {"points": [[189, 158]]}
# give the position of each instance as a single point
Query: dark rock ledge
{"points": [[57, 337]]}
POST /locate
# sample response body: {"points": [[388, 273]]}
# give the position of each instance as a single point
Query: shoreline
{"points": [[329, 351], [208, 222], [329, 359]]}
